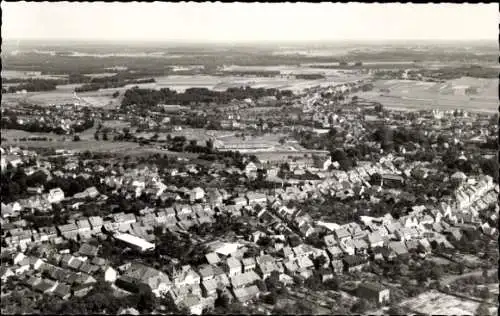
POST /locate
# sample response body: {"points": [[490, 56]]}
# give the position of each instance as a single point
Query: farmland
{"points": [[64, 95], [416, 95], [434, 302]]}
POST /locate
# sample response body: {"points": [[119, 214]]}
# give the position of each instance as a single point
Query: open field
{"points": [[16, 74], [103, 98], [11, 134], [416, 95], [80, 146], [64, 95], [437, 303]]}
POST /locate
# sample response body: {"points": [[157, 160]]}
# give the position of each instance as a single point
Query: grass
{"points": [[434, 302], [415, 95]]}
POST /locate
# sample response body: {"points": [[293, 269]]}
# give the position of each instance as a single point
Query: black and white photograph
{"points": [[209, 158]]}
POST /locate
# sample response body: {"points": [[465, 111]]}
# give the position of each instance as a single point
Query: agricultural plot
{"points": [[437, 303], [416, 95], [80, 146], [64, 95]]}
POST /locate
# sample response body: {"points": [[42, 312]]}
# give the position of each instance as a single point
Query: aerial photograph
{"points": [[204, 158]]}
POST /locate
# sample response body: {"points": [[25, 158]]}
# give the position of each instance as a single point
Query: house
{"points": [[206, 272], [398, 247], [5, 273], [55, 196], [88, 268], [325, 274], [248, 264], [96, 223], [128, 311], [250, 169], [256, 198], [240, 202], [330, 241], [244, 279], [209, 287], [88, 250], [69, 231], [337, 265], [455, 234], [110, 274], [197, 194], [391, 180], [192, 303], [212, 258], [62, 291], [335, 252], [141, 274], [305, 266], [373, 292], [221, 277], [341, 234], [245, 293], [354, 263], [347, 246], [375, 239], [360, 245], [266, 264], [45, 286], [233, 266]]}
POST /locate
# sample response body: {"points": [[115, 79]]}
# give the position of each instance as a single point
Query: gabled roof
{"points": [[398, 247], [233, 262]]}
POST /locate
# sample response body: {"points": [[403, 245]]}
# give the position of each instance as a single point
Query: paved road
{"points": [[450, 279]]}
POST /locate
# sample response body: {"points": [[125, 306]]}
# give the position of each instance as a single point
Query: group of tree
{"points": [[34, 85], [147, 98], [109, 83]]}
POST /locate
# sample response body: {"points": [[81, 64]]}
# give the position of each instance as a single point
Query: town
{"points": [[386, 207], [135, 181]]}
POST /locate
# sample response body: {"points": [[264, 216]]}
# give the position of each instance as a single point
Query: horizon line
{"points": [[252, 41]]}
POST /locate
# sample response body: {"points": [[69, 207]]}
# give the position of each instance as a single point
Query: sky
{"points": [[242, 22]]}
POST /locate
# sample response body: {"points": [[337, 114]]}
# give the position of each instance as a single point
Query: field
{"points": [[64, 95], [16, 74], [416, 95], [437, 303]]}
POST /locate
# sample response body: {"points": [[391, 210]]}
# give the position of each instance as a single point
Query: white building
{"points": [[55, 196], [135, 242]]}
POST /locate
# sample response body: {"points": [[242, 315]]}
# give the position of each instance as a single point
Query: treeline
{"points": [[109, 84], [263, 73], [34, 85], [449, 73], [310, 76], [145, 98]]}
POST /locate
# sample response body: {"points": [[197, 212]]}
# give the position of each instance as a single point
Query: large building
{"points": [[134, 242]]}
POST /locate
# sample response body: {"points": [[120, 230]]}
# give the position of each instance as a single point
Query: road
{"points": [[452, 278]]}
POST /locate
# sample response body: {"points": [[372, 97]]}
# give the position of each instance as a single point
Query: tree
{"points": [[319, 261], [104, 136], [76, 138], [116, 94], [360, 306], [483, 310], [485, 293], [96, 136], [395, 310]]}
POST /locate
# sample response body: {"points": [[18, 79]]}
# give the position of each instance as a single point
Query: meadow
{"points": [[417, 95]]}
